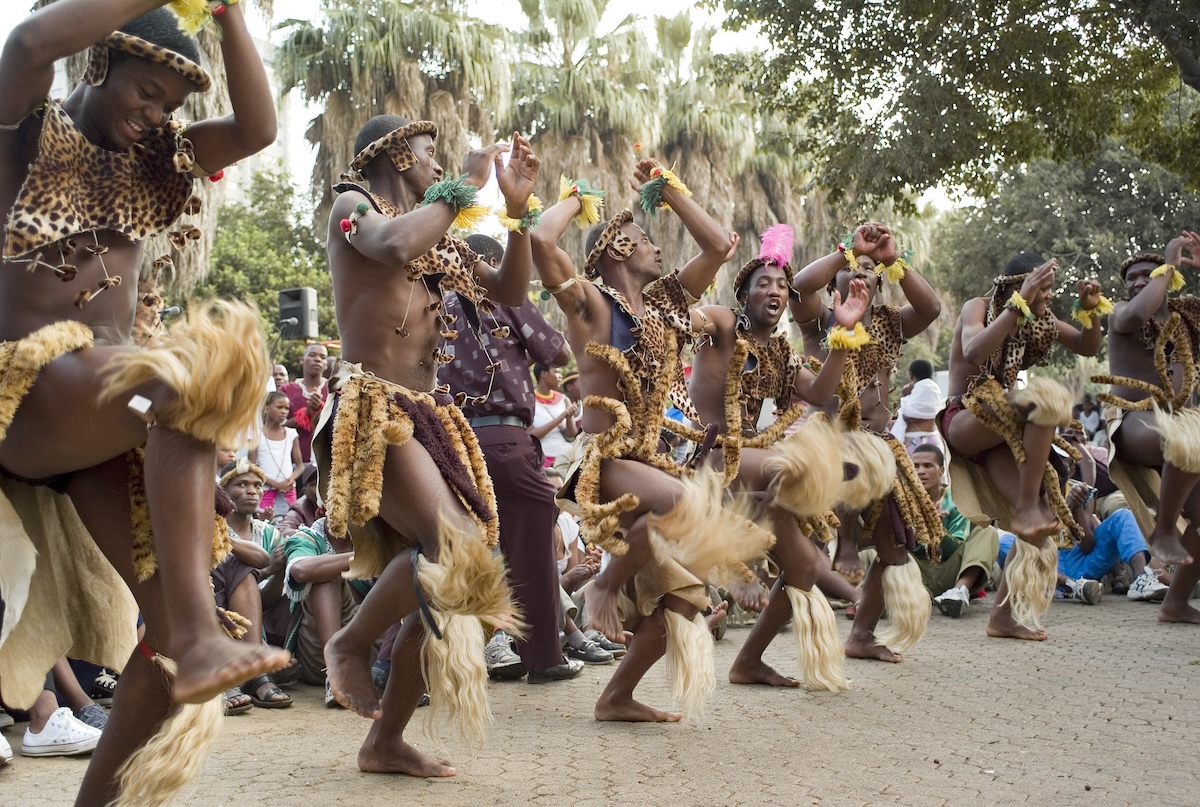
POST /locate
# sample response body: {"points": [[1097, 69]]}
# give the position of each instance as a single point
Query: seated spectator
{"points": [[554, 422], [968, 551], [322, 600], [1090, 417], [576, 566], [255, 555], [919, 405], [53, 731], [305, 510]]}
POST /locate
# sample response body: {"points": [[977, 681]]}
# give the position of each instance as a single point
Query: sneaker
{"points": [[1085, 591], [1146, 587], [93, 715], [616, 648], [103, 687], [6, 719], [952, 601], [330, 701], [501, 661], [5, 751], [590, 653], [62, 736], [559, 672]]}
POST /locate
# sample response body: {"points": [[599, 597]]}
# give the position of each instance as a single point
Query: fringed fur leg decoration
{"points": [[468, 579], [690, 665], [875, 473], [215, 361], [822, 654], [1180, 434], [161, 768], [705, 531], [806, 469], [1044, 401], [1031, 573], [456, 676], [908, 606]]}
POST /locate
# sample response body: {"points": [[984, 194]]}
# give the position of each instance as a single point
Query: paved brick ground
{"points": [[1104, 711]]}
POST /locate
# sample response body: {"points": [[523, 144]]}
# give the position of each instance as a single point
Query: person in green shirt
{"points": [[968, 551]]}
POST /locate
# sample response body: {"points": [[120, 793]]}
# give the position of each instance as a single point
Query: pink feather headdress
{"points": [[777, 243]]}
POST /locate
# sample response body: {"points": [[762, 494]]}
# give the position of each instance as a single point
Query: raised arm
{"points": [[509, 283], [399, 241], [717, 244], [51, 33], [978, 340], [818, 389], [1131, 315], [555, 267], [1085, 342]]}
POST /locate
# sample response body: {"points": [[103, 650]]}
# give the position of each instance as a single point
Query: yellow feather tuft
{"points": [[193, 14], [471, 217]]}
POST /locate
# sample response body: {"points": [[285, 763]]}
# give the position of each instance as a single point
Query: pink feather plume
{"points": [[777, 242]]}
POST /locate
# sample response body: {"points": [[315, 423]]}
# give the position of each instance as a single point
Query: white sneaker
{"points": [[5, 751], [953, 601], [501, 661], [1147, 587], [63, 735], [1085, 591]]}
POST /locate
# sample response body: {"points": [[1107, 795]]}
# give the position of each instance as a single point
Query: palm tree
{"points": [[420, 59]]}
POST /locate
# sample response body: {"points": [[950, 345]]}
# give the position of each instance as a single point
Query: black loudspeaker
{"points": [[298, 313]]}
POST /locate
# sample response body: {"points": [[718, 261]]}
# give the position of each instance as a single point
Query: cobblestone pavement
{"points": [[1106, 710]]}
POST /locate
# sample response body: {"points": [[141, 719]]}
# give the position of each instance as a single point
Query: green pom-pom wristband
{"points": [[651, 196], [455, 192]]}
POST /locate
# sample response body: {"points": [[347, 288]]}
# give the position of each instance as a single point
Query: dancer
{"points": [[85, 180], [1153, 342], [627, 323], [400, 469], [1000, 436], [905, 516], [741, 362]]}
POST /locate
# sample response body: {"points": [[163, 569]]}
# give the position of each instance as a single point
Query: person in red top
{"points": [[306, 396]]}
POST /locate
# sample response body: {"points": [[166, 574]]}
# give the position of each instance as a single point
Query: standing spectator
{"points": [[306, 395], [500, 408], [278, 454], [280, 374], [922, 399], [1090, 417], [554, 417]]}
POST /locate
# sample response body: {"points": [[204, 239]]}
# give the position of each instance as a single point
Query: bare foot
{"points": [[1178, 613], [1166, 547], [749, 594], [846, 563], [717, 615], [630, 711], [602, 612], [1032, 523], [856, 648], [1001, 625], [758, 672], [401, 758], [349, 671], [208, 667]]}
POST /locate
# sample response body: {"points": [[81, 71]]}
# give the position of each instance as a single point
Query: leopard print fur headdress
{"points": [[610, 236], [97, 68], [395, 144]]}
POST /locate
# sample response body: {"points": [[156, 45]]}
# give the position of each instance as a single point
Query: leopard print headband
{"points": [[750, 266], [97, 68], [395, 143], [610, 236]]}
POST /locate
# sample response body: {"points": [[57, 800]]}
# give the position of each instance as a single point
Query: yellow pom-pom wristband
{"points": [[896, 270], [526, 222], [1017, 303], [591, 200], [1086, 316], [839, 338], [195, 14], [1176, 282]]}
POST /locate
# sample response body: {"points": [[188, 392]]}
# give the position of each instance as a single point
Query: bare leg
{"points": [[748, 667], [1175, 606], [384, 750], [647, 646], [1001, 623], [68, 686], [325, 604], [861, 641], [845, 557], [1137, 443]]}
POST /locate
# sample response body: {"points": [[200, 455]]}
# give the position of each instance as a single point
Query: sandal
{"points": [[288, 676], [271, 697], [235, 702]]}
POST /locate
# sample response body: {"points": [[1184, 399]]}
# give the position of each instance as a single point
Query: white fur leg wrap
{"points": [[822, 654], [876, 469], [1047, 402], [456, 676], [1180, 433], [1031, 574], [806, 469], [468, 579], [908, 605], [172, 757], [690, 664], [706, 531]]}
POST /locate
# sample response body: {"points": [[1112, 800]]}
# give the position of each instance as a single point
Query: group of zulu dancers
{"points": [[101, 406]]}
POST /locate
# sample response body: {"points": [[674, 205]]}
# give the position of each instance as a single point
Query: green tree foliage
{"points": [[900, 95], [263, 245]]}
